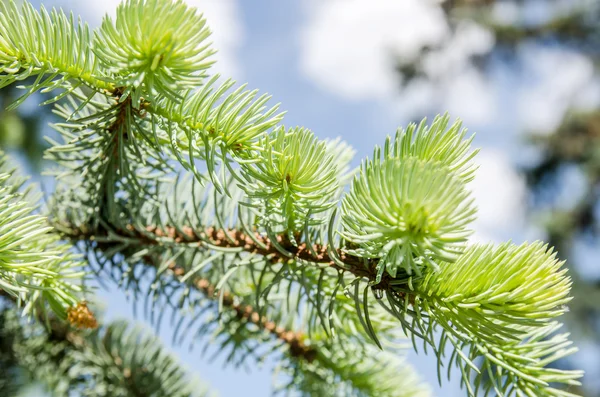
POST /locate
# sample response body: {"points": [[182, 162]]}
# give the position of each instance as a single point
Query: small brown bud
{"points": [[81, 316], [270, 326], [203, 284]]}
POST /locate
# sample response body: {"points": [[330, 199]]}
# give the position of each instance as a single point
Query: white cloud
{"points": [[347, 45], [464, 93], [225, 21], [554, 79], [452, 58], [588, 98], [348, 48], [223, 17], [455, 85], [469, 97], [505, 12], [499, 193]]}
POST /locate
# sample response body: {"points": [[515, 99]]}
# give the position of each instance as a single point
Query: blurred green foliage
{"points": [[21, 130]]}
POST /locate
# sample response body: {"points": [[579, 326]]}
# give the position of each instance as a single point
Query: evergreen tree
{"points": [[189, 191]]}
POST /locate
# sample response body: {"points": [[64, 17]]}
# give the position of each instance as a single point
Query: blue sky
{"points": [[330, 64]]}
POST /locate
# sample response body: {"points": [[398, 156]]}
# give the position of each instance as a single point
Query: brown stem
{"points": [[236, 239], [210, 236], [239, 239], [295, 340]]}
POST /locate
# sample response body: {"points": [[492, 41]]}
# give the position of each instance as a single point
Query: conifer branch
{"points": [[295, 340], [216, 238], [36, 269], [260, 237], [209, 238], [309, 356], [49, 46]]}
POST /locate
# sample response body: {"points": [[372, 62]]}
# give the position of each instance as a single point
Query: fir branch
{"points": [[409, 214], [502, 318], [109, 143], [295, 340], [437, 142], [158, 52], [524, 284], [155, 236], [282, 249], [259, 233], [213, 123], [36, 268], [285, 250], [310, 360], [299, 178], [53, 47], [525, 287], [240, 240]]}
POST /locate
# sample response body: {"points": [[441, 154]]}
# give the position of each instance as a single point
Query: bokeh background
{"points": [[521, 74]]}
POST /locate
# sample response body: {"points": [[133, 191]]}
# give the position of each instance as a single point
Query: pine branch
{"points": [[149, 61], [281, 251], [36, 269], [215, 238], [262, 239], [294, 340], [303, 352], [499, 319], [53, 47]]}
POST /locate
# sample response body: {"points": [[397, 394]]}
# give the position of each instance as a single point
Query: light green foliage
{"points": [[437, 142], [499, 301], [35, 267], [365, 372], [160, 51], [507, 282], [234, 119], [192, 195], [51, 47], [297, 178], [409, 214], [213, 123]]}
